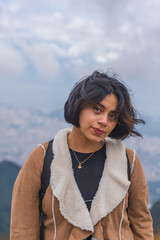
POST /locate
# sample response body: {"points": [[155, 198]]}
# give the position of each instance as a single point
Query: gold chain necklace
{"points": [[80, 163]]}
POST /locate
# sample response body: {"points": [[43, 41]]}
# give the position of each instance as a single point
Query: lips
{"points": [[98, 131]]}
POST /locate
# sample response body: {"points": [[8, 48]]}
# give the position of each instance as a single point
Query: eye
{"points": [[112, 116], [97, 109]]}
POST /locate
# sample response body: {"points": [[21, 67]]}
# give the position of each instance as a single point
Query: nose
{"points": [[103, 120]]}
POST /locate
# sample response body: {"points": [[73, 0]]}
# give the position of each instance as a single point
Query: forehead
{"points": [[110, 102]]}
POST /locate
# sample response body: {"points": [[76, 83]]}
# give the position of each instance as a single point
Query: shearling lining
{"points": [[112, 188]]}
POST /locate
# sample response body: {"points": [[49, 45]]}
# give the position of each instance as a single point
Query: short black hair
{"points": [[92, 90]]}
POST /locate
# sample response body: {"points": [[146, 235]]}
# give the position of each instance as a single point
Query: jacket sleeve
{"points": [[138, 213], [25, 201]]}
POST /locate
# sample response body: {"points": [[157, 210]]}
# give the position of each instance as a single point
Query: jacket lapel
{"points": [[114, 183], [112, 189], [64, 187]]}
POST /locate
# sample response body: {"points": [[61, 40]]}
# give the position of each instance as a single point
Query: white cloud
{"points": [[101, 59], [79, 37], [12, 63], [44, 60], [69, 25]]}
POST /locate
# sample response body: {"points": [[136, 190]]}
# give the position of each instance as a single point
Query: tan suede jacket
{"points": [[118, 212]]}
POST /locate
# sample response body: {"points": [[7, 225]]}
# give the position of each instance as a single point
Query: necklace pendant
{"points": [[79, 166]]}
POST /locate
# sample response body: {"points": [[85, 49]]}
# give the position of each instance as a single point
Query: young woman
{"points": [[90, 195]]}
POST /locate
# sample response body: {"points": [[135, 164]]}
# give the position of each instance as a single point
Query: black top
{"points": [[88, 177]]}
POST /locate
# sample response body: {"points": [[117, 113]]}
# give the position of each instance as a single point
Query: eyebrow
{"points": [[101, 105], [114, 111]]}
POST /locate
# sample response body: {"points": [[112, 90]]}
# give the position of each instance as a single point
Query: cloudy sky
{"points": [[47, 45]]}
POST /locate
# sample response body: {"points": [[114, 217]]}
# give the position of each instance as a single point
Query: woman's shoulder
{"points": [[132, 156], [36, 158], [130, 153], [135, 163], [29, 177]]}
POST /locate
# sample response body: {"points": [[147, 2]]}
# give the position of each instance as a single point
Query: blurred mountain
{"points": [[155, 211], [154, 192], [22, 129], [8, 173]]}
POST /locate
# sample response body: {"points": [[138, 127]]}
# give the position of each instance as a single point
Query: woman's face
{"points": [[98, 121]]}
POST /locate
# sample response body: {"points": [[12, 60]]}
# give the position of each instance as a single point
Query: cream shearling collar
{"points": [[112, 188]]}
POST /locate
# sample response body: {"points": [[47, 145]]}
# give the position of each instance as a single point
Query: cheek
{"points": [[82, 120], [86, 117]]}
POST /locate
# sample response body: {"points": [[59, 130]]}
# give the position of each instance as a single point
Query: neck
{"points": [[78, 142]]}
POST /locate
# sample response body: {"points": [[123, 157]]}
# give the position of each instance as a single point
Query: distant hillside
{"points": [[8, 173], [154, 191], [155, 211], [22, 129]]}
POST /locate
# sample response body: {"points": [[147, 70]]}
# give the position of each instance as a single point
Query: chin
{"points": [[97, 139]]}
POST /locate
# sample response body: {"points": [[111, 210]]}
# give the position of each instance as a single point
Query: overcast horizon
{"points": [[46, 46]]}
